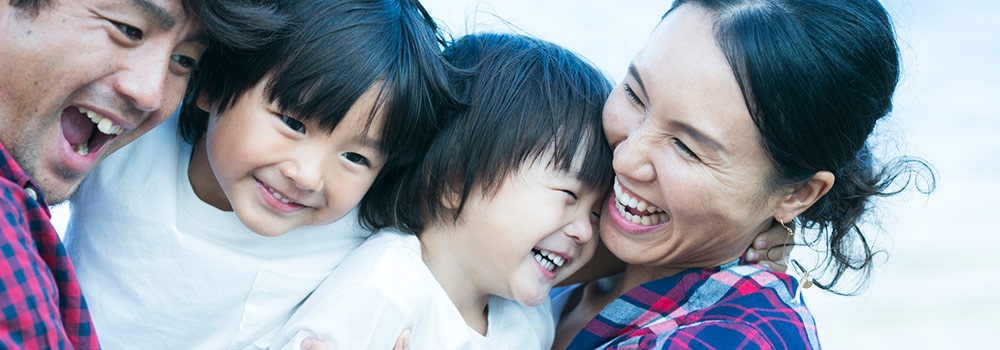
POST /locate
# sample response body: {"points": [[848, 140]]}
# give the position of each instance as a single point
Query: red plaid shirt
{"points": [[727, 307], [40, 298]]}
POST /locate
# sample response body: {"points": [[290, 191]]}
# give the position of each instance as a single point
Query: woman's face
{"points": [[690, 187]]}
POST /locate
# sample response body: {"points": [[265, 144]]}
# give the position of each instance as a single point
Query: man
{"points": [[79, 79]]}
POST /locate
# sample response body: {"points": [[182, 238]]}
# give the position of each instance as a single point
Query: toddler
{"points": [[502, 208], [227, 218]]}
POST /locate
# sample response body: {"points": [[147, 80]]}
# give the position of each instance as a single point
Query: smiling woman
{"points": [[737, 114]]}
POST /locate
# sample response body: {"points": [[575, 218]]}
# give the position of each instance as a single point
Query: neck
{"points": [[203, 180], [451, 268], [636, 275]]}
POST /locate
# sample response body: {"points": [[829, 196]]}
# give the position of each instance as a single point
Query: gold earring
{"points": [[790, 231], [805, 280]]}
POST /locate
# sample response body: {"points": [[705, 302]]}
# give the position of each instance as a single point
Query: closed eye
{"points": [[632, 96], [571, 194], [684, 149]]}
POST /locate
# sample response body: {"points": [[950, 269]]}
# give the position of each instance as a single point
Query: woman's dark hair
{"points": [[816, 76], [524, 99], [322, 60]]}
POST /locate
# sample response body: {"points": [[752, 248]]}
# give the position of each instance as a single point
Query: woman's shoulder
{"points": [[747, 303]]}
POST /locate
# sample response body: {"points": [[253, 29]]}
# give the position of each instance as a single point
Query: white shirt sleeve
{"points": [[356, 316]]}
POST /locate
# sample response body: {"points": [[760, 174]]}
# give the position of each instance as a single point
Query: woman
{"points": [[737, 114]]}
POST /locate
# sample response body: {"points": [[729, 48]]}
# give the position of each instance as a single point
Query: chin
{"points": [[533, 299]]}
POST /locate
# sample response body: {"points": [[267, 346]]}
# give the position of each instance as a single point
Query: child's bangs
{"points": [[324, 97]]}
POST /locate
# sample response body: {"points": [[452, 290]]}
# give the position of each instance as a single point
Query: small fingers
{"points": [[314, 344], [403, 342]]}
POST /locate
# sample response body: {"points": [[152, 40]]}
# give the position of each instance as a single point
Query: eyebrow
{"points": [[702, 138], [635, 74], [161, 14], [372, 143]]}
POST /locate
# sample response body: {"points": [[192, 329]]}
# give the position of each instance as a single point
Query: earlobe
{"points": [[804, 196]]}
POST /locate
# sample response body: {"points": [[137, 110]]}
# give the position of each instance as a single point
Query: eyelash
{"points": [[632, 96], [684, 148], [360, 158], [571, 194], [293, 124], [186, 62], [131, 32]]}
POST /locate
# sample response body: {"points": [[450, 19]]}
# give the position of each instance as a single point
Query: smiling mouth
{"points": [[637, 210], [280, 197], [549, 260], [87, 131]]}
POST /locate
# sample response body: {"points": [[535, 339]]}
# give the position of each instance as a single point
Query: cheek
{"points": [[615, 119]]}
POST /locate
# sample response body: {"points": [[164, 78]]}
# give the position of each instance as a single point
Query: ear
{"points": [[804, 196], [451, 200], [203, 103]]}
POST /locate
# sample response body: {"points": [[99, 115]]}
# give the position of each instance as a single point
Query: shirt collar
{"points": [[11, 171]]}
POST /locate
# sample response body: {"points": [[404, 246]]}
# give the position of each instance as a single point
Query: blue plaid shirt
{"points": [[40, 298], [727, 307]]}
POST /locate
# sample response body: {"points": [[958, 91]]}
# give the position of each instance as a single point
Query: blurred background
{"points": [[935, 288]]}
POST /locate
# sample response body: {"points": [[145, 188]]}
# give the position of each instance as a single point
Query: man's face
{"points": [[83, 78]]}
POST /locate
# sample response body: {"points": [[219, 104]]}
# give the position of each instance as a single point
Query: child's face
{"points": [[535, 231], [279, 173]]}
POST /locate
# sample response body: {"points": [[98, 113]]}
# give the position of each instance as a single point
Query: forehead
{"points": [[172, 13], [682, 50], [689, 79]]}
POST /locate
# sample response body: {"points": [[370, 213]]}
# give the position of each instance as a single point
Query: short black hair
{"points": [[235, 23], [323, 59], [524, 98]]}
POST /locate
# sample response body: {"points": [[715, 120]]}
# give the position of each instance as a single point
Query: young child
{"points": [[501, 209], [211, 243]]}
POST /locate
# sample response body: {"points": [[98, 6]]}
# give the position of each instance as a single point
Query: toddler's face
{"points": [[538, 229], [279, 173]]}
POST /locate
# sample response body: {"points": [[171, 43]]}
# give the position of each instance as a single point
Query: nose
{"points": [[143, 77], [581, 229], [632, 156], [305, 170]]}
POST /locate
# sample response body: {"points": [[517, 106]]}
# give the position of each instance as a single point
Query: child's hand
{"points": [[402, 343], [770, 248]]}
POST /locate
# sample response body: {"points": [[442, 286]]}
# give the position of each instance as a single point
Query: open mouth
{"points": [[87, 131], [636, 209], [549, 260], [278, 200]]}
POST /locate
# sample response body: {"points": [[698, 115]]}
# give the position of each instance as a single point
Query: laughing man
{"points": [[79, 79]]}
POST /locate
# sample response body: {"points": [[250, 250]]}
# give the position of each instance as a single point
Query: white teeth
{"points": [[276, 195], [548, 260], [647, 214], [82, 149], [104, 125]]}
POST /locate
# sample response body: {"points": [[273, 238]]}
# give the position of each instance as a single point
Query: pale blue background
{"points": [[934, 290]]}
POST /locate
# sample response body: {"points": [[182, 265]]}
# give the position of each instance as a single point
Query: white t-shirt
{"points": [[384, 287], [161, 269]]}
